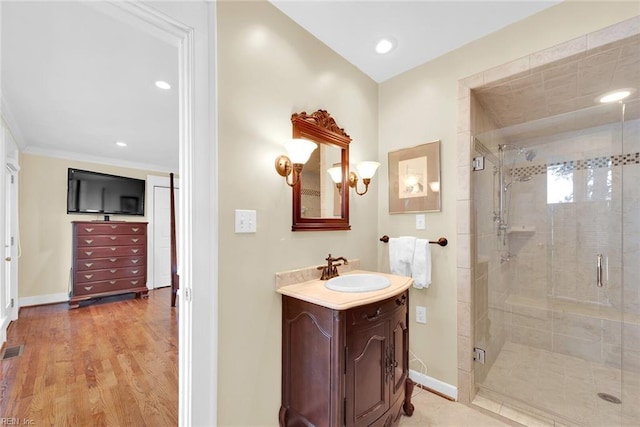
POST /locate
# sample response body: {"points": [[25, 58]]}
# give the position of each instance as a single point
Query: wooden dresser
{"points": [[109, 258]]}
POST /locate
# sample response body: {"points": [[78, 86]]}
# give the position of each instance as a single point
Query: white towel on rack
{"points": [[421, 264], [401, 254]]}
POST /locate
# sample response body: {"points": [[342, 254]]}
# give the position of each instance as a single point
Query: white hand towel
{"points": [[401, 255], [421, 264]]}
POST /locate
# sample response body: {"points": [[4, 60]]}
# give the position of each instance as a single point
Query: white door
{"points": [[162, 235], [8, 306]]}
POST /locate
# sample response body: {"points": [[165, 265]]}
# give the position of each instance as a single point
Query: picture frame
{"points": [[414, 179]]}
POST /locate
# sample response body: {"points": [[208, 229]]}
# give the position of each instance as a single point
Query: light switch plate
{"points": [[245, 221], [420, 222]]}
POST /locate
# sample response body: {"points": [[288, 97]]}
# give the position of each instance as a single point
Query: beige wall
{"points": [[268, 69], [45, 230], [420, 106]]}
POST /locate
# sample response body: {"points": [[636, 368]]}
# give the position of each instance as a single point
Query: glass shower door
{"points": [[551, 306]]}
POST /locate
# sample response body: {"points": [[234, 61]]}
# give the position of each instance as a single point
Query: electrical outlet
{"points": [[420, 221], [421, 314]]}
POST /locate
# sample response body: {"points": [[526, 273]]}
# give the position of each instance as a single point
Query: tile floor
{"points": [[433, 410], [556, 386]]}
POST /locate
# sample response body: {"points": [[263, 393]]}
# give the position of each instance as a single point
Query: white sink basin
{"points": [[358, 283]]}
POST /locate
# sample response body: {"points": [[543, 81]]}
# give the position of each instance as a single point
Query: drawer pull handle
{"points": [[88, 241], [88, 230], [135, 240], [135, 229], [112, 282], [113, 227], [88, 264], [402, 300], [134, 271], [89, 253], [135, 261], [113, 249], [374, 317], [134, 282], [88, 288], [113, 237], [113, 259], [113, 270], [135, 251], [88, 276]]}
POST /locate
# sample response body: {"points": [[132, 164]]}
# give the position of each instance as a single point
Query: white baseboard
{"points": [[44, 299], [434, 384]]}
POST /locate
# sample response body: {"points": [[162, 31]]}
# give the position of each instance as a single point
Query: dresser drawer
{"points": [[374, 311], [100, 263], [108, 285], [115, 240], [108, 274], [84, 229], [110, 251]]}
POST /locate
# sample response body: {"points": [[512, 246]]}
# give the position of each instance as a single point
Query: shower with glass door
{"points": [[556, 292]]}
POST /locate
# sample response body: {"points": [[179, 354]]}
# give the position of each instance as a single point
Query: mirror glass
{"points": [[320, 195], [318, 203]]}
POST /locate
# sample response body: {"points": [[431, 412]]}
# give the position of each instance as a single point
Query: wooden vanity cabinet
{"points": [[345, 367]]}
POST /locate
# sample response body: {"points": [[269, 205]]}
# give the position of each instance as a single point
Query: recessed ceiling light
{"points": [[385, 45], [121, 143], [615, 95], [163, 85]]}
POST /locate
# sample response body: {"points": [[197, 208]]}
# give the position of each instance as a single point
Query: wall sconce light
{"points": [[299, 151], [336, 176], [366, 170]]}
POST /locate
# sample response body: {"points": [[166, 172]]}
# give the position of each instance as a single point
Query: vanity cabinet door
{"points": [[367, 397], [399, 351], [377, 358]]}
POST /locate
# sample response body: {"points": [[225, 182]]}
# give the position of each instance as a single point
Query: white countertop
{"points": [[314, 291]]}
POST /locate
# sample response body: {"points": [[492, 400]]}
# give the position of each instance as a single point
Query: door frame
{"points": [[182, 36]]}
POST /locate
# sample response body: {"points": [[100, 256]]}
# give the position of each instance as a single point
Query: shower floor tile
{"points": [[565, 388]]}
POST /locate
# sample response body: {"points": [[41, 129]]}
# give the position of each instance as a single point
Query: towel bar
{"points": [[441, 241]]}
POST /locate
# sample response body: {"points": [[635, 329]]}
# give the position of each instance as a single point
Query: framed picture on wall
{"points": [[414, 179]]}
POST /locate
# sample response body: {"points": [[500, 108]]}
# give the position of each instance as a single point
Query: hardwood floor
{"points": [[114, 362]]}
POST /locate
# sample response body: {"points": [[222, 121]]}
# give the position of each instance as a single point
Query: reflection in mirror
{"points": [[319, 203], [318, 189]]}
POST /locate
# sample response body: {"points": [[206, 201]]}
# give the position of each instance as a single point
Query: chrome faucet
{"points": [[330, 270]]}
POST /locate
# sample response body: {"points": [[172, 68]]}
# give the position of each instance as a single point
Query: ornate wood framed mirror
{"points": [[319, 203]]}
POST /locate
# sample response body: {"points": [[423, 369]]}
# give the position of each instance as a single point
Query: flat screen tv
{"points": [[102, 194]]}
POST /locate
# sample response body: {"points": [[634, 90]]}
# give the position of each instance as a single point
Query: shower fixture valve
{"points": [[506, 257]]}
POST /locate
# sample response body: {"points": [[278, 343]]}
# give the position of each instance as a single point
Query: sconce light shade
{"points": [[366, 170], [299, 150], [336, 174]]}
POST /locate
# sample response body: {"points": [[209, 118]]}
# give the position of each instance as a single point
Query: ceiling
{"points": [[422, 29], [76, 79], [74, 96]]}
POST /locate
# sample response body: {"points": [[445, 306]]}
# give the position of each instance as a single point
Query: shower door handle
{"points": [[599, 270]]}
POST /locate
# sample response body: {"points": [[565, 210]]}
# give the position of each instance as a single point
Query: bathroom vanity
{"points": [[345, 355]]}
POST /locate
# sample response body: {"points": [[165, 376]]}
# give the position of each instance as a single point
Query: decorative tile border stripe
{"points": [[310, 192], [571, 165]]}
